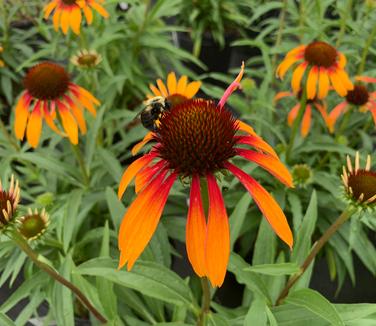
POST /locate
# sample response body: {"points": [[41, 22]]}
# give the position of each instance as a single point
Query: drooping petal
{"points": [[56, 18], [366, 79], [337, 83], [99, 9], [142, 218], [341, 60], [21, 116], [84, 92], [49, 120], [323, 83], [323, 111], [297, 76], [312, 82], [68, 122], [257, 143], [292, 114], [246, 128], [48, 8], [296, 51], [182, 85], [373, 112], [88, 14], [171, 83], [280, 95], [34, 126], [232, 88], [335, 113], [346, 82], [64, 20], [286, 64], [75, 18], [269, 163], [162, 88], [148, 137], [306, 121], [77, 113], [132, 170], [266, 203], [147, 173], [196, 229], [218, 235]]}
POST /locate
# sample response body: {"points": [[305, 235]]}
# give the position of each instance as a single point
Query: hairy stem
{"points": [[82, 164], [343, 21], [315, 250], [24, 246], [370, 38]]}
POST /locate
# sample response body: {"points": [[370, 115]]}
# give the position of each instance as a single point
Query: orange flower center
{"points": [[358, 96], [196, 137], [175, 99], [4, 199], [69, 2], [32, 225], [363, 182], [47, 81], [320, 54], [87, 59]]}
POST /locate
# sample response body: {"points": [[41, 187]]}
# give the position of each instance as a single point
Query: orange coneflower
{"points": [[49, 90], [1, 61], [307, 116], [195, 140], [68, 13], [360, 97], [325, 64]]}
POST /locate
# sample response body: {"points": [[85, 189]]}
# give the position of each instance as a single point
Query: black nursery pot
{"points": [[216, 59]]}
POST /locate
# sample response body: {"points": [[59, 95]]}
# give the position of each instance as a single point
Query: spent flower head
{"points": [[33, 224], [302, 175], [9, 199], [86, 59], [360, 184]]}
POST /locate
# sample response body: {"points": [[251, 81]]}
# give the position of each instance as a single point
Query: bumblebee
{"points": [[152, 112]]}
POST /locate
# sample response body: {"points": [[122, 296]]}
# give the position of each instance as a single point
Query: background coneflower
{"points": [[67, 13], [48, 91], [325, 66], [360, 97], [307, 116], [86, 59], [33, 224], [195, 140]]}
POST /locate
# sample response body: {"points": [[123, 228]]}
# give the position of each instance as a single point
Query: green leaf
{"points": [[110, 163], [149, 278], [251, 280], [304, 234], [72, 210], [315, 302], [115, 207], [274, 269], [265, 246], [237, 217], [256, 314]]}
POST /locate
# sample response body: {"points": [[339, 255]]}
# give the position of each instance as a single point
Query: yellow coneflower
{"points": [[325, 64], [360, 184], [360, 97], [9, 199], [49, 91], [68, 13], [86, 59], [195, 140]]}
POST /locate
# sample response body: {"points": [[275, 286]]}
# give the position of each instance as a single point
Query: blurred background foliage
{"points": [[143, 41]]}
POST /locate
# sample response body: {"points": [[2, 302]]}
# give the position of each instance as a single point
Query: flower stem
{"points": [[205, 305], [343, 20], [296, 124], [22, 243], [370, 38], [315, 250], [82, 164]]}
